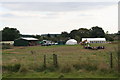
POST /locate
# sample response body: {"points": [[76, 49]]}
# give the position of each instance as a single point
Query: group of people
{"points": [[94, 48]]}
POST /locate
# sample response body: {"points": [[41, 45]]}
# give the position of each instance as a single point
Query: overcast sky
{"points": [[55, 17]]}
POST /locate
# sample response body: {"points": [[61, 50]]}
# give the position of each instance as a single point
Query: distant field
{"points": [[73, 61]]}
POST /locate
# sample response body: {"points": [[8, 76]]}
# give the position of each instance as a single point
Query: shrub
{"points": [[77, 66], [40, 68], [16, 67], [24, 69], [6, 46], [48, 68], [51, 69], [12, 68], [66, 68], [86, 66], [90, 67], [61, 76]]}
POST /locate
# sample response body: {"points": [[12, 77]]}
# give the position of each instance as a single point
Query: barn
{"points": [[95, 40], [28, 41]]}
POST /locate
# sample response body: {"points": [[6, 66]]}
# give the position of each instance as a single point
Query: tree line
{"points": [[10, 34]]}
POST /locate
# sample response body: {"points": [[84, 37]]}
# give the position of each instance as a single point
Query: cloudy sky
{"points": [[55, 17]]}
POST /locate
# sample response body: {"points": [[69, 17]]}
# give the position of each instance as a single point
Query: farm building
{"points": [[94, 40], [71, 42], [26, 41]]}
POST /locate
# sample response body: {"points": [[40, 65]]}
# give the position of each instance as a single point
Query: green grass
{"points": [[74, 61], [60, 75]]}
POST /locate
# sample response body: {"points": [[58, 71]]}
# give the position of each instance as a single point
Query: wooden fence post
{"points": [[44, 61], [118, 61], [54, 59], [55, 63], [111, 61]]}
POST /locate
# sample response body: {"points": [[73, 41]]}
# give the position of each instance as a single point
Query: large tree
{"points": [[83, 32], [79, 34], [97, 32], [10, 34], [64, 36], [73, 33]]}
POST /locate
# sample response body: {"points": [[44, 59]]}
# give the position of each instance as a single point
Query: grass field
{"points": [[73, 62]]}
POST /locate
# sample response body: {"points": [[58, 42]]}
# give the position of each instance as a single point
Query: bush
{"points": [[61, 76], [77, 66], [40, 68], [51, 68], [109, 38], [66, 68], [12, 68], [6, 46], [24, 69], [90, 67], [86, 66], [48, 68]]}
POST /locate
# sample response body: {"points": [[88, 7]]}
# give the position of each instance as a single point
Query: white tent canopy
{"points": [[94, 39], [71, 42]]}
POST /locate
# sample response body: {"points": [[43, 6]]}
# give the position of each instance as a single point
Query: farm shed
{"points": [[95, 40], [71, 42], [26, 42]]}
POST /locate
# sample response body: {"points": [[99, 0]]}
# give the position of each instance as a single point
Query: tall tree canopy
{"points": [[97, 32], [64, 36], [79, 34], [10, 34], [83, 32], [73, 33]]}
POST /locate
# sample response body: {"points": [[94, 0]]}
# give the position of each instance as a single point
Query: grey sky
{"points": [[55, 17], [119, 16], [55, 6], [59, 0]]}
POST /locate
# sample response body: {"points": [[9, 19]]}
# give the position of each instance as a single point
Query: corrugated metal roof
{"points": [[94, 39], [28, 38]]}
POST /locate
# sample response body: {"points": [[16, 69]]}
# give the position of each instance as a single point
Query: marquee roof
{"points": [[94, 39]]}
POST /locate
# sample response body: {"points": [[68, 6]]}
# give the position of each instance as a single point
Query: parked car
{"points": [[46, 44]]}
